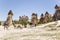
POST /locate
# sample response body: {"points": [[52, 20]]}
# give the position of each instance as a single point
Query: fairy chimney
{"points": [[9, 18], [56, 16], [34, 19]]}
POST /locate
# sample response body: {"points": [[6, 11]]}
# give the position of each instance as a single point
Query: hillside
{"points": [[48, 31]]}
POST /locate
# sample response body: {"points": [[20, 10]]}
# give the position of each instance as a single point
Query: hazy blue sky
{"points": [[26, 7]]}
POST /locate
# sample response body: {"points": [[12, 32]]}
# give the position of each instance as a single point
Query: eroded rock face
{"points": [[34, 19], [41, 20], [9, 18], [23, 18], [45, 18], [57, 13]]}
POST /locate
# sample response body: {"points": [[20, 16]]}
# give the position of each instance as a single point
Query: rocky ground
{"points": [[48, 31]]}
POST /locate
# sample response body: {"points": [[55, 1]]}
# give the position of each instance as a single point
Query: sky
{"points": [[26, 7]]}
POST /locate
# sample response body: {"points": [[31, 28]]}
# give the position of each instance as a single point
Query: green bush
{"points": [[0, 23], [49, 20], [39, 23], [21, 22], [16, 22], [28, 22]]}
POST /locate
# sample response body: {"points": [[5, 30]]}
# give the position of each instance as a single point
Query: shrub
{"points": [[49, 20], [21, 22], [0, 23]]}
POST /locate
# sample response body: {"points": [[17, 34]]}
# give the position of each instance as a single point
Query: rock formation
{"points": [[56, 16], [9, 18], [34, 18]]}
